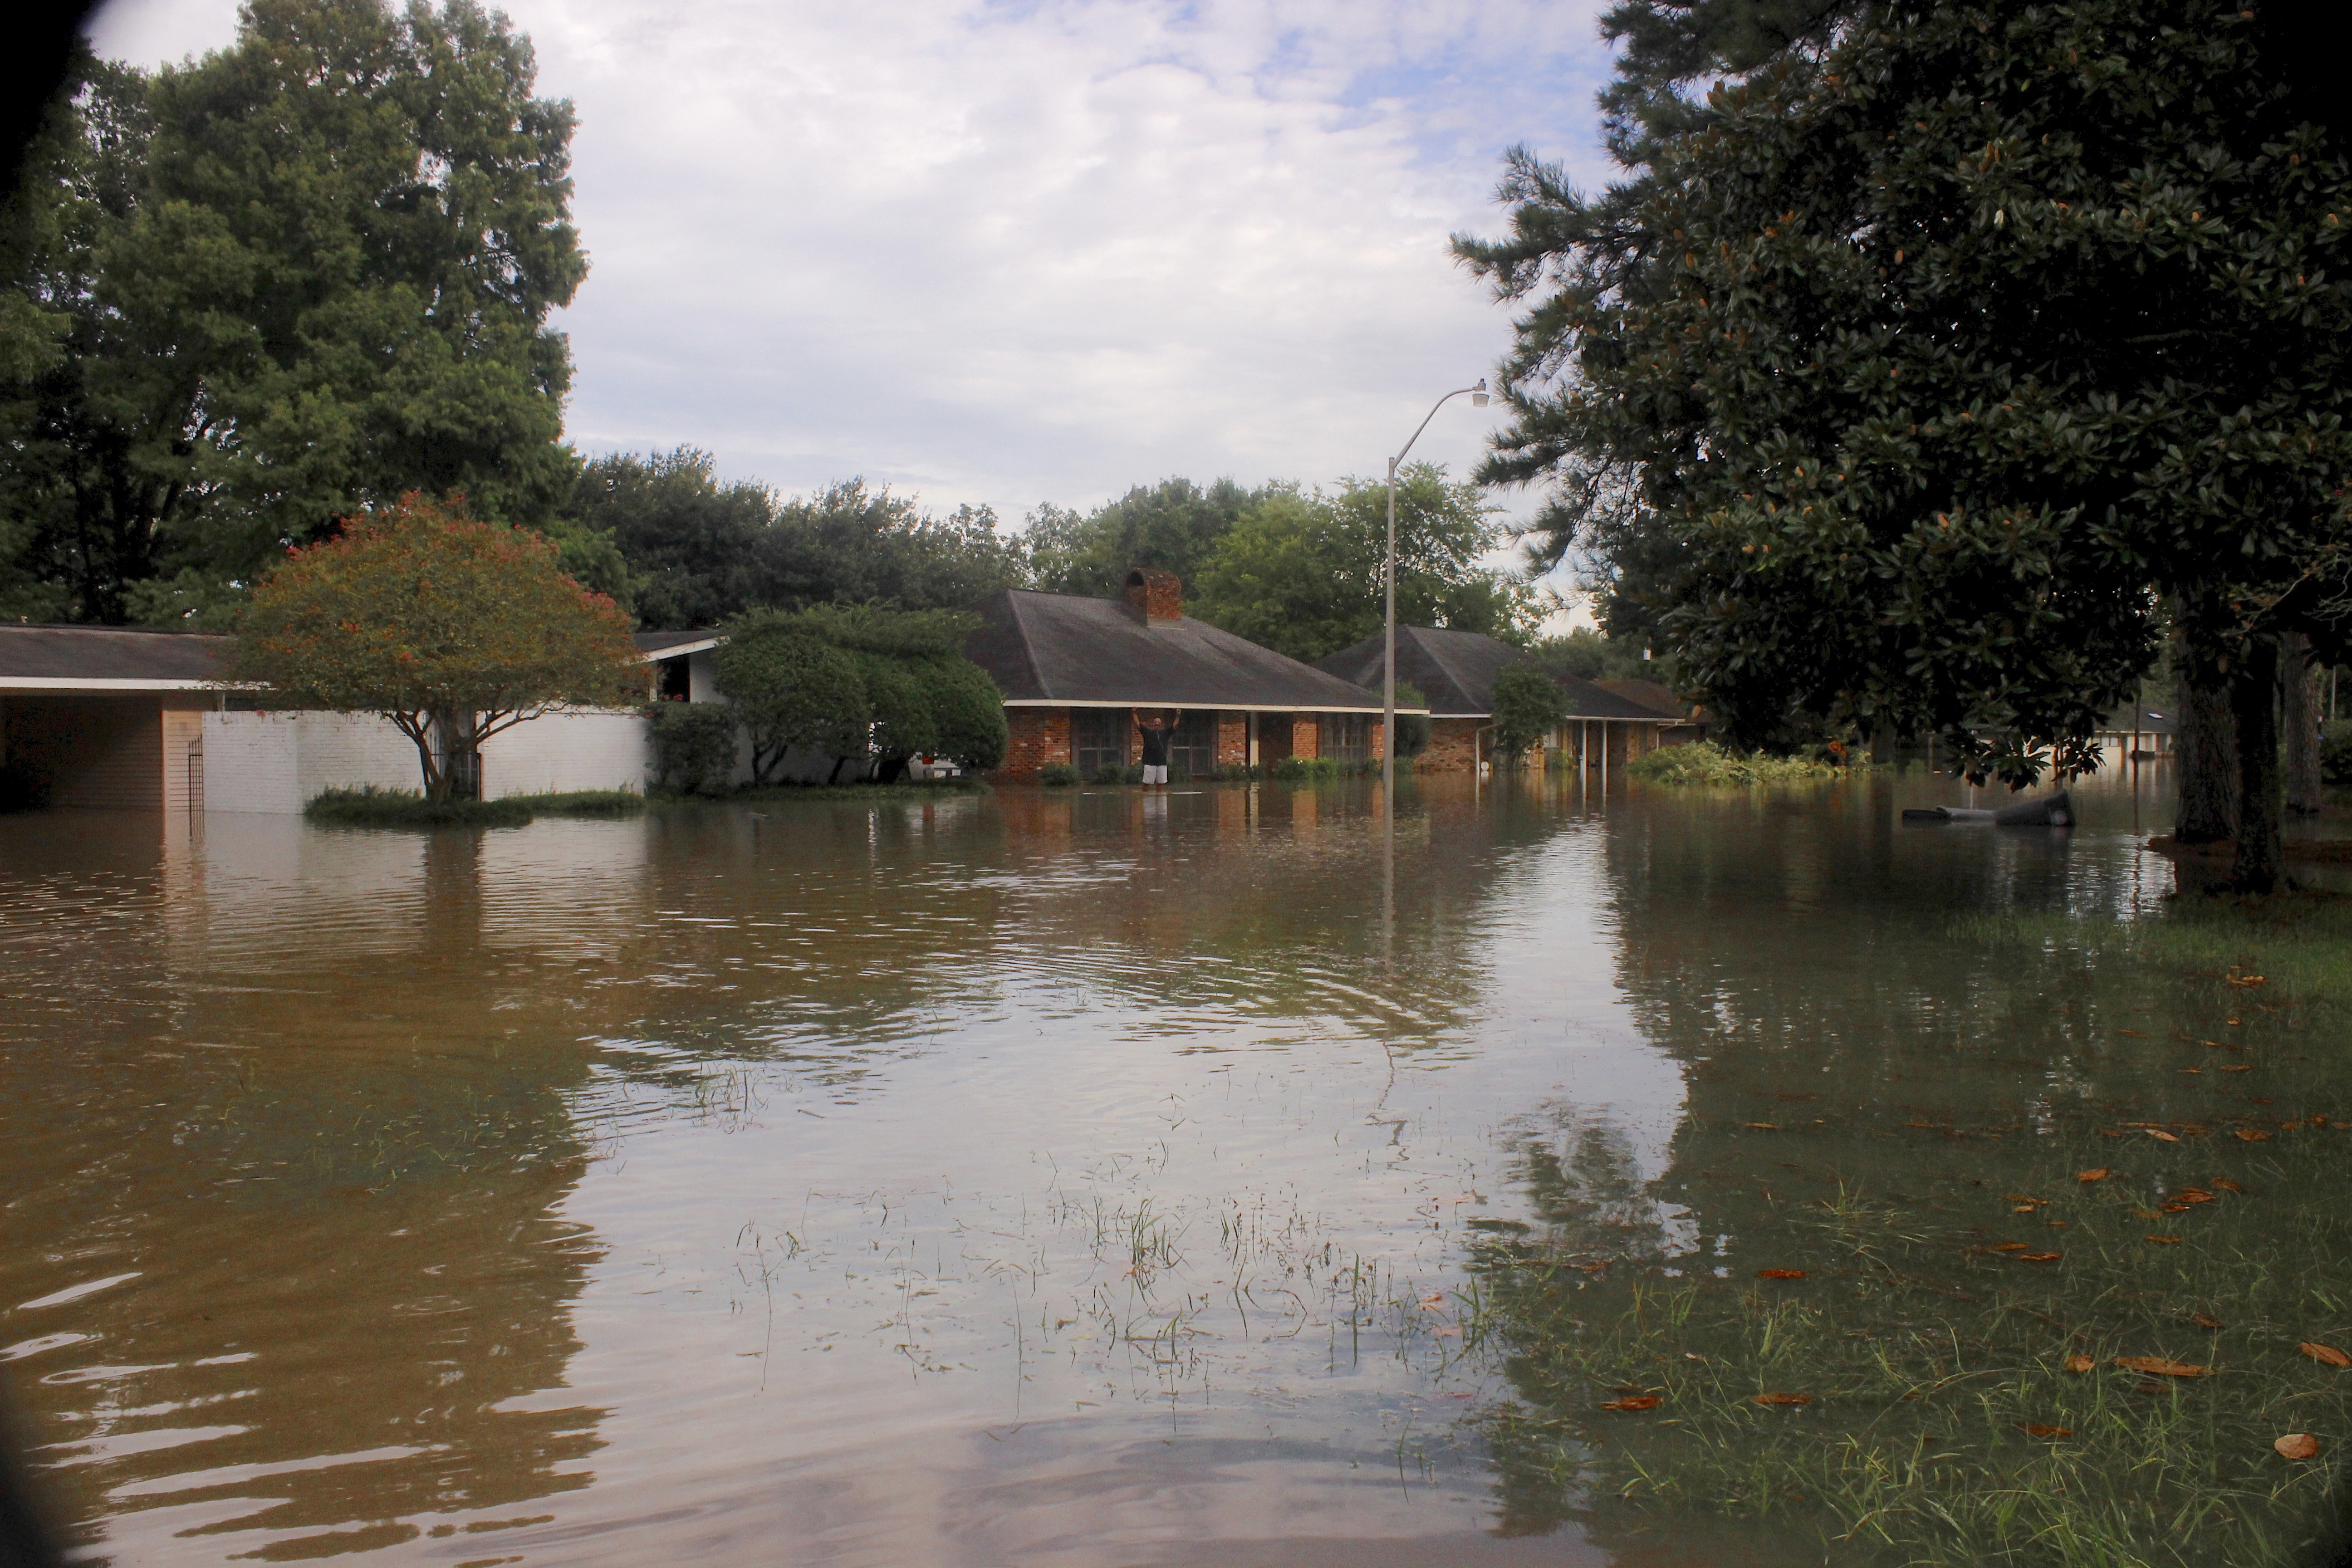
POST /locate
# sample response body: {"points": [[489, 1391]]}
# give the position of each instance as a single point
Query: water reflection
{"points": [[1059, 1177]]}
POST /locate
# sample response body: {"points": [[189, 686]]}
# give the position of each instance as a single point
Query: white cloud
{"points": [[1023, 252]]}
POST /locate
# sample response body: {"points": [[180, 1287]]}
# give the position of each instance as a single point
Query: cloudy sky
{"points": [[1032, 250]]}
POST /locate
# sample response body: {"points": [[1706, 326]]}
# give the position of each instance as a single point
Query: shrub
{"points": [[693, 746], [368, 807], [1057, 775], [1412, 728], [792, 687], [2336, 753], [969, 709], [1705, 762], [1529, 705], [1116, 774], [1295, 770]]}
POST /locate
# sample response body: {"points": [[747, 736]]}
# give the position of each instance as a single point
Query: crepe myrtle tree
{"points": [[453, 628], [1964, 362]]}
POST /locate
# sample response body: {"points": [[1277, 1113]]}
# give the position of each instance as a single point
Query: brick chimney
{"points": [[1159, 594]]}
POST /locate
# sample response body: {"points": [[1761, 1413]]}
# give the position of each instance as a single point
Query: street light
{"points": [[1478, 399]]}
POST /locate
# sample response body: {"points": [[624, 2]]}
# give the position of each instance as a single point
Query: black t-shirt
{"points": [[1155, 747]]}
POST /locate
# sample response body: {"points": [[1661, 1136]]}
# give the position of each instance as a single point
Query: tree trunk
{"points": [[2253, 700], [2299, 716], [2205, 752]]}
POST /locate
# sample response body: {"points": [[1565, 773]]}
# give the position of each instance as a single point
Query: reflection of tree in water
{"points": [[1889, 1091], [334, 1198]]}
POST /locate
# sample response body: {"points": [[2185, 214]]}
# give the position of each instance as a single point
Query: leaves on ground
{"points": [[1638, 1402], [2156, 1366], [2253, 1134], [2039, 1257], [2297, 1445], [2078, 1361], [1780, 1274], [2097, 1174], [2163, 1240], [2205, 1320], [2327, 1354], [1784, 1399], [2038, 1429]]}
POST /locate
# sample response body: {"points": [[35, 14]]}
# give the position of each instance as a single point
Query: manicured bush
{"points": [[1116, 774], [368, 807], [969, 709], [1057, 775], [693, 746], [792, 687]]}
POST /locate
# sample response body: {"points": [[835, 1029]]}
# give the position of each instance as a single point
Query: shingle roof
{"points": [[1456, 671], [1651, 694], [658, 644], [107, 659], [1058, 647]]}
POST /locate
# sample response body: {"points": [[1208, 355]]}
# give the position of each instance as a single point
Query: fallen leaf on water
{"points": [[2022, 1208], [2236, 1067], [2326, 1353], [2227, 1186], [2231, 1022], [1765, 1126], [2163, 1240], [2192, 1069], [1449, 1332], [2297, 1445], [2036, 1429], [2160, 1133], [1639, 1402], [1431, 1303], [2098, 1173], [2135, 1034], [2039, 1257], [2156, 1366], [1780, 1274], [2010, 1245], [1590, 1268], [2187, 1196], [2244, 979], [2080, 1362], [1784, 1399], [2205, 1320], [2253, 1135], [2147, 1213], [2175, 1208]]}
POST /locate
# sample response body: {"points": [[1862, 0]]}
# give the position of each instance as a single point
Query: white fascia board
{"points": [[81, 683], [681, 649]]}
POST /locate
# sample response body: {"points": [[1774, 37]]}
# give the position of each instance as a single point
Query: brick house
{"points": [[1455, 672], [1075, 670]]}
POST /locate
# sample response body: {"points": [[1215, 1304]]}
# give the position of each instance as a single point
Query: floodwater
{"points": [[1056, 1178]]}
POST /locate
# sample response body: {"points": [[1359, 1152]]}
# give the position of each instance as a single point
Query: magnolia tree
{"points": [[454, 629]]}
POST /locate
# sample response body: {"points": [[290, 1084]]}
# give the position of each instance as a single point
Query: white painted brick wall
{"points": [[276, 761]]}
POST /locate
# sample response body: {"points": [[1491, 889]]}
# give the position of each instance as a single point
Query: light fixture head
{"points": [[1478, 398]]}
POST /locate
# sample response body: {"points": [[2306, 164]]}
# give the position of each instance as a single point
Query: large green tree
{"points": [[1950, 356], [1172, 526], [297, 277], [454, 629], [1302, 573]]}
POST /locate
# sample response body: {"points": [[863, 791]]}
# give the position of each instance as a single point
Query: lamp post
{"points": [[1478, 398]]}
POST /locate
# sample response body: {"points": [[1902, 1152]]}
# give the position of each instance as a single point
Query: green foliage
{"points": [[1587, 655], [294, 279], [1412, 728], [852, 681], [1303, 770], [1529, 705], [371, 807], [1057, 775], [1302, 574], [1705, 762], [1116, 774], [693, 746], [1949, 348], [792, 687], [698, 553], [1172, 526], [454, 630], [2336, 753]]}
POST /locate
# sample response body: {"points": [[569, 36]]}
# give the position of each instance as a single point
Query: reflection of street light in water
{"points": [[1478, 399]]}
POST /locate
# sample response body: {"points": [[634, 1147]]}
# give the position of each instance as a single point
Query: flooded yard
{"points": [[1089, 1178]]}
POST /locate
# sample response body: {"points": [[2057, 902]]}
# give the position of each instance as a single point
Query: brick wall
{"points": [[1040, 737], [1452, 744], [1306, 735], [1233, 740]]}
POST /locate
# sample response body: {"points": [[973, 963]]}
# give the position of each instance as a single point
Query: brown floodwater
{"points": [[1051, 1177]]}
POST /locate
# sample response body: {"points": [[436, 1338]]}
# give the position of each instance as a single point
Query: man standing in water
{"points": [[1157, 731]]}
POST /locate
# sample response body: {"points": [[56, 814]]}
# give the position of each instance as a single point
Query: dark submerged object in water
{"points": [[2051, 811]]}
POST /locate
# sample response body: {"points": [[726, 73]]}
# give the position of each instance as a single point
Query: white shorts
{"points": [[1155, 772]]}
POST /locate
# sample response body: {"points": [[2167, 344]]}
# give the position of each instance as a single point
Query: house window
{"points": [[1193, 750], [1346, 737], [1099, 738]]}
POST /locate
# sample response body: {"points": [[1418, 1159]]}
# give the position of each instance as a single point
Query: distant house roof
{"points": [[107, 659], [670, 645], [147, 658], [1653, 694], [1059, 650], [1455, 671]]}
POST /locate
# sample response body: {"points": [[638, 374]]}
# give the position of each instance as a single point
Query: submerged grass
{"points": [[1705, 762], [904, 790], [1940, 1382], [371, 807]]}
